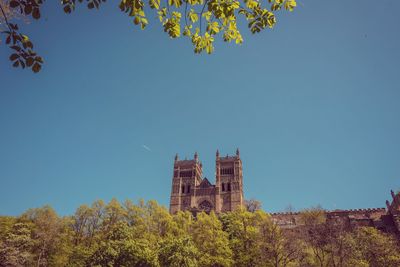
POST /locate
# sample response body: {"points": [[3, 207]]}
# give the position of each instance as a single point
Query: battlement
{"points": [[336, 212], [284, 213], [358, 210], [185, 162], [228, 158]]}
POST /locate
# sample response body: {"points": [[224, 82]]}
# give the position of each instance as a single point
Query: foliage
{"points": [[242, 228], [198, 20], [178, 252], [145, 234], [120, 248], [23, 54], [252, 205], [211, 240], [376, 249], [16, 245], [279, 248]]}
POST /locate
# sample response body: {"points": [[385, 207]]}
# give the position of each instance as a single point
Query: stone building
{"points": [[385, 219], [190, 191]]}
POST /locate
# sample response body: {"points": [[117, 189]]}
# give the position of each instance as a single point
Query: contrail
{"points": [[146, 147]]}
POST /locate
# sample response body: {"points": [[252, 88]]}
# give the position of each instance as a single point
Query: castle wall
{"points": [[379, 218]]}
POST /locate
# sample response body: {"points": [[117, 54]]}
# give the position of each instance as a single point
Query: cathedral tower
{"points": [[229, 181], [186, 176], [190, 191]]}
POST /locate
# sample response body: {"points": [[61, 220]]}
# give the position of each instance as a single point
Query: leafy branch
{"points": [[23, 54], [217, 16]]}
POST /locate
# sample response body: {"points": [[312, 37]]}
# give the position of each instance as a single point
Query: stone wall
{"points": [[386, 220]]}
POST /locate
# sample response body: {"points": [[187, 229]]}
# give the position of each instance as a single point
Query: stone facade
{"points": [[385, 219], [190, 191]]}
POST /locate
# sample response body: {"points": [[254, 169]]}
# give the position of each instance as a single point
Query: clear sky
{"points": [[313, 105]]}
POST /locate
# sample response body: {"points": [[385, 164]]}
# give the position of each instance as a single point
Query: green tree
{"points": [[96, 221], [315, 233], [211, 241], [198, 20], [178, 252], [46, 232], [6, 224], [345, 253], [86, 229], [182, 224], [114, 213], [243, 231], [15, 248], [80, 224], [278, 247], [119, 248], [376, 249], [145, 234]]}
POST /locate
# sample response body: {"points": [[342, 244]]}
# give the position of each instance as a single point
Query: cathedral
{"points": [[190, 191]]}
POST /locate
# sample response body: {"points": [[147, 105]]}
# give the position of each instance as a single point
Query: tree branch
{"points": [[201, 13], [5, 17]]}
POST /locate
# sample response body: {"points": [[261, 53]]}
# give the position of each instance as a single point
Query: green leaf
{"points": [[176, 3], [155, 4], [193, 17], [213, 27], [290, 5]]}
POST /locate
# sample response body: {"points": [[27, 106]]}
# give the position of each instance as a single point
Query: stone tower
{"points": [[187, 175], [229, 182], [394, 210], [190, 191]]}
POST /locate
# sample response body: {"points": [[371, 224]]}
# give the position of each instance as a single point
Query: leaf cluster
{"points": [[199, 20], [23, 54]]}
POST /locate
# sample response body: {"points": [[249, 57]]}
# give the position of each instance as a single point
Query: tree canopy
{"points": [[145, 234], [201, 21]]}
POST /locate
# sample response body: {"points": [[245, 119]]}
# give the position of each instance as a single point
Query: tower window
{"points": [[188, 189], [186, 174], [229, 186], [225, 171], [183, 189], [223, 187]]}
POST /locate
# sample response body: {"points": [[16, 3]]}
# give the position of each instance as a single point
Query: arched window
{"points": [[229, 186], [183, 189], [223, 187], [188, 189]]}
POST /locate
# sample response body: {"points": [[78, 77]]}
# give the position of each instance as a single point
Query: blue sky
{"points": [[313, 106]]}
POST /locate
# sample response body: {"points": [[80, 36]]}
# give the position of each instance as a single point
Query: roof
{"points": [[205, 183]]}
